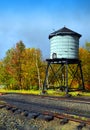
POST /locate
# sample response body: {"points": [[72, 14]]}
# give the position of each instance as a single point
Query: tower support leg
{"points": [[66, 77], [83, 86], [46, 76]]}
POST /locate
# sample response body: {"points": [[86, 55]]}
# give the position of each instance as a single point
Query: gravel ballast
{"points": [[25, 112], [12, 121], [34, 103]]}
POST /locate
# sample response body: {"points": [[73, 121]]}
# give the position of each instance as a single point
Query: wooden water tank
{"points": [[64, 43]]}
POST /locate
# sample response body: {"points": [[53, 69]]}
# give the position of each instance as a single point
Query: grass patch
{"points": [[20, 91], [55, 93], [79, 93], [50, 92], [36, 92]]}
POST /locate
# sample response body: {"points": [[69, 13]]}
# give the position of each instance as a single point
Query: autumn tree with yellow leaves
{"points": [[22, 68]]}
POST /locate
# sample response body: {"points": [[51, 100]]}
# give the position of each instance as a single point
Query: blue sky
{"points": [[33, 20]]}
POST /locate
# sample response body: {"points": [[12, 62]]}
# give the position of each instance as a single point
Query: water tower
{"points": [[64, 61]]}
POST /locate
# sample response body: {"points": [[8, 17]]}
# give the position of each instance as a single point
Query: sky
{"points": [[33, 20]]}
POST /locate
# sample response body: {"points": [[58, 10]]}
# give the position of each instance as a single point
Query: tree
{"points": [[12, 66], [87, 46], [22, 68], [18, 59], [85, 58], [33, 68], [6, 69]]}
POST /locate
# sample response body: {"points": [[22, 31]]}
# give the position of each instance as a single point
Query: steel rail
{"points": [[72, 118]]}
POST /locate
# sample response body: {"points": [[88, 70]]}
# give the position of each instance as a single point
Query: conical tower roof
{"points": [[64, 31]]}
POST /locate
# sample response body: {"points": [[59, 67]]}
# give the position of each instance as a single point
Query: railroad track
{"points": [[78, 99], [48, 108]]}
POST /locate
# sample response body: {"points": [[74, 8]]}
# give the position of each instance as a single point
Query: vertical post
{"points": [[62, 75], [66, 77], [46, 75], [83, 87]]}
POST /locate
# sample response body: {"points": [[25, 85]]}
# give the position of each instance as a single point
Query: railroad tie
{"points": [[45, 117], [33, 115], [64, 121], [14, 109], [2, 106], [18, 111], [8, 107], [81, 125], [25, 113]]}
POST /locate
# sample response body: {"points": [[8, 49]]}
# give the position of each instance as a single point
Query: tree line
{"points": [[24, 68]]}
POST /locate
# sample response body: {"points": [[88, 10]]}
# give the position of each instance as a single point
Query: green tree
{"points": [[87, 46], [6, 70]]}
